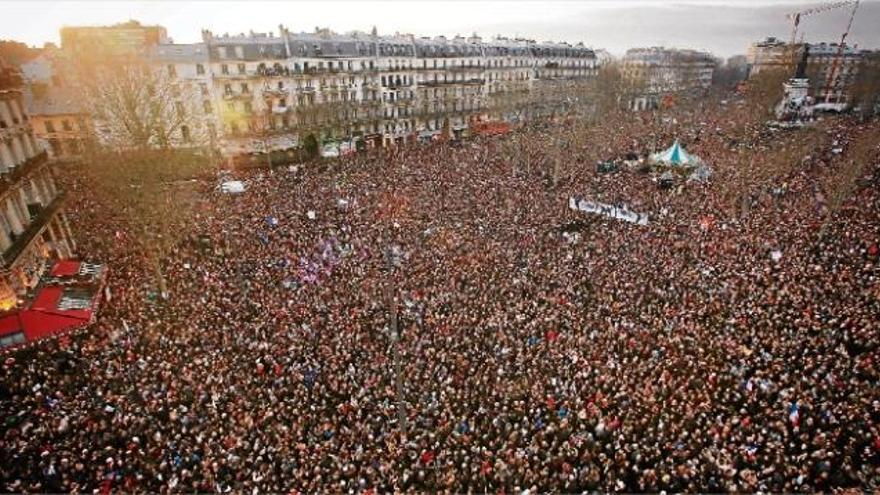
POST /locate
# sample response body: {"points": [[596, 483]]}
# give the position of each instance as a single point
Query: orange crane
{"points": [[795, 17], [831, 82]]}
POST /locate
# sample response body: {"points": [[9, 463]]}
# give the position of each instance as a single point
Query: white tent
{"points": [[676, 156]]}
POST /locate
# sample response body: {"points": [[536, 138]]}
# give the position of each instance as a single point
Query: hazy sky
{"points": [[723, 27]]}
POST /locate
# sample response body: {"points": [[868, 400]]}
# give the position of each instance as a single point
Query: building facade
{"points": [[813, 61], [57, 114], [832, 71], [33, 227], [126, 38], [261, 92], [657, 71], [771, 54]]}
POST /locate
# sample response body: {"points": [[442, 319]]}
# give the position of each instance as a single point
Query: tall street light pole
{"points": [[390, 291]]}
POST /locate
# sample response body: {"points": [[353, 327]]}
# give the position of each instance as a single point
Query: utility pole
{"points": [[390, 292]]}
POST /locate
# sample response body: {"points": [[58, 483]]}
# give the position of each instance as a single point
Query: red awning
{"points": [[66, 268], [47, 298], [56, 309], [9, 324], [39, 324]]}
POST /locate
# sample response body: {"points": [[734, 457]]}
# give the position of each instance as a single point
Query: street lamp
{"points": [[392, 260]]}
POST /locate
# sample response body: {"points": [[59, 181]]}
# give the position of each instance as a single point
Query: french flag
{"points": [[794, 414]]}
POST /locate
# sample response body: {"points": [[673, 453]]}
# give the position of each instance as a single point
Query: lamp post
{"points": [[267, 129], [390, 263]]}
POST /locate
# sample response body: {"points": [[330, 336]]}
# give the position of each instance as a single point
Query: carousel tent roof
{"points": [[675, 155]]}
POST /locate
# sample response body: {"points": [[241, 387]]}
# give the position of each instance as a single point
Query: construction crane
{"points": [[831, 82], [795, 17]]}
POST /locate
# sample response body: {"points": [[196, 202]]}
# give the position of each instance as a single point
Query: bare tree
{"points": [[842, 184], [139, 106], [866, 87], [154, 191]]}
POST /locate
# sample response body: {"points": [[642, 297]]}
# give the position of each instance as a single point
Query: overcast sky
{"points": [[722, 27]]}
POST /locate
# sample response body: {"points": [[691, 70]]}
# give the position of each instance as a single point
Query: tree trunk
{"points": [[160, 277]]}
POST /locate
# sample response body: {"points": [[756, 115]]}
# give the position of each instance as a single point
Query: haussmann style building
{"points": [[34, 230]]}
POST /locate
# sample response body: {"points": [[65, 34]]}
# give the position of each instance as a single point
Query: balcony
{"points": [[237, 96], [10, 80], [277, 92], [431, 83], [37, 225], [13, 175], [235, 75], [273, 72]]}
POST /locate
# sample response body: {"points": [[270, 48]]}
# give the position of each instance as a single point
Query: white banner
{"points": [[620, 213]]}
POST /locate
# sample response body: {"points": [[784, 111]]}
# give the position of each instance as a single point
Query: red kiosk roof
{"points": [[66, 268], [44, 318]]}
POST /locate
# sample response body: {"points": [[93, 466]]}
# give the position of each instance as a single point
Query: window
{"points": [[55, 146], [65, 124], [239, 52], [224, 69], [241, 67], [221, 51], [200, 69], [50, 127], [4, 224], [184, 133], [280, 84], [172, 71], [245, 89], [206, 105], [248, 108], [282, 102], [203, 87], [227, 89]]}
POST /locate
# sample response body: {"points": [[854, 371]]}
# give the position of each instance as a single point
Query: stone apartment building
{"points": [[267, 92], [813, 61], [659, 71], [261, 92], [33, 226], [57, 112]]}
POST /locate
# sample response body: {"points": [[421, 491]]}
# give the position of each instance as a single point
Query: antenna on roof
{"points": [[374, 32]]}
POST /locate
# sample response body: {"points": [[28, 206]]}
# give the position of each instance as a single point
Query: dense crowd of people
{"points": [[729, 345]]}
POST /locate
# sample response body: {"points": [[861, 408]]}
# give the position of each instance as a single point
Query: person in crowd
{"points": [[680, 355]]}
